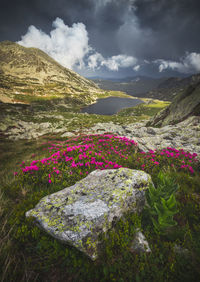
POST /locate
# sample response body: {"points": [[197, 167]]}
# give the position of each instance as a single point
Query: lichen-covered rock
{"points": [[77, 215]]}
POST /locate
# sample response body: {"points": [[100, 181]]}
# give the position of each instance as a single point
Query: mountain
{"points": [[28, 73], [135, 86], [173, 86], [184, 105], [146, 87]]}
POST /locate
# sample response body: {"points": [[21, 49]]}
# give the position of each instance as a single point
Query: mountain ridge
{"points": [[165, 88], [26, 73]]}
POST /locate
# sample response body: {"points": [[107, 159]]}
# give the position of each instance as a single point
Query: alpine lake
{"points": [[111, 105]]}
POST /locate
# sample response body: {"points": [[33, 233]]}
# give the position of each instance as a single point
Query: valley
{"points": [[149, 152]]}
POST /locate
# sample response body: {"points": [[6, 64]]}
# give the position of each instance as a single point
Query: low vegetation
{"points": [[170, 221], [31, 169], [146, 110]]}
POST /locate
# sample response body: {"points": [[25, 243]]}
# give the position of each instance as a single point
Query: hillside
{"points": [[162, 88], [29, 73], [184, 105], [173, 86], [135, 86]]}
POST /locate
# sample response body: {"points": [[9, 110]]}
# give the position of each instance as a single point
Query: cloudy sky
{"points": [[109, 38]]}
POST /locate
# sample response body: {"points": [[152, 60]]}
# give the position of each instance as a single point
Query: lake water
{"points": [[110, 106]]}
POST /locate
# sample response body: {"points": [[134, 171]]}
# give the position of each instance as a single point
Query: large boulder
{"points": [[77, 215]]}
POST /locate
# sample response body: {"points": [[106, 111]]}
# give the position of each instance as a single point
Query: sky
{"points": [[109, 38]]}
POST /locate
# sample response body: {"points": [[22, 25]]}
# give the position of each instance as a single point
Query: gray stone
{"points": [[140, 244], [151, 131], [167, 136], [77, 215], [67, 134], [184, 105]]}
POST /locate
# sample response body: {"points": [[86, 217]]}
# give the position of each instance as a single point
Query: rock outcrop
{"points": [[184, 135], [183, 106], [77, 215]]}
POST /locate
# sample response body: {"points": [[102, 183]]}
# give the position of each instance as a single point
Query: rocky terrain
{"points": [[184, 135]]}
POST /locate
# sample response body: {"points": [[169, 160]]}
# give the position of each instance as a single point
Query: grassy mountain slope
{"points": [[27, 74]]}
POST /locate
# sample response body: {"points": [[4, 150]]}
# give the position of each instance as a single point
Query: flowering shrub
{"points": [[78, 158], [168, 158]]}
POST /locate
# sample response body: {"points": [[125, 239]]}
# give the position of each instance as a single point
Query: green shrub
{"points": [[162, 205]]}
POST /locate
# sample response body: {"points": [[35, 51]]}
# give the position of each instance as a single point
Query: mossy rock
{"points": [[77, 215]]}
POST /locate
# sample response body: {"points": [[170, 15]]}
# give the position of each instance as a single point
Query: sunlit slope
{"points": [[28, 73]]}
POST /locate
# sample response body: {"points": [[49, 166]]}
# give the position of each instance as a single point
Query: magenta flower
{"points": [[191, 169]]}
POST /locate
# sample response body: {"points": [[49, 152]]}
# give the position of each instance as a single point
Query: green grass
{"points": [[144, 111], [29, 254]]}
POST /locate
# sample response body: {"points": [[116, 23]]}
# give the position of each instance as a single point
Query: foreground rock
{"points": [[77, 215]]}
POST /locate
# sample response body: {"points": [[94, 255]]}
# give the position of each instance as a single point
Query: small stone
{"points": [[151, 131], [140, 244], [67, 134]]}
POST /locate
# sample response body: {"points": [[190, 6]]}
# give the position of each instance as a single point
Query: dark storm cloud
{"points": [[150, 30], [102, 18], [17, 15], [174, 25]]}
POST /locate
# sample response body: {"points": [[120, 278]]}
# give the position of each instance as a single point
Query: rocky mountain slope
{"points": [[184, 105], [29, 73], [173, 86]]}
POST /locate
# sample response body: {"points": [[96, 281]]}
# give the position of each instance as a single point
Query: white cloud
{"points": [[94, 61], [67, 45], [136, 68], [190, 63], [70, 47], [119, 61]]}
